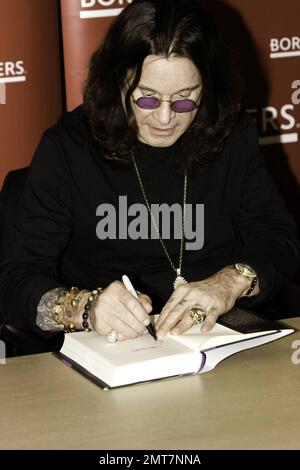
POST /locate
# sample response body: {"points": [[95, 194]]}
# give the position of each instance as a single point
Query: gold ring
{"points": [[197, 314]]}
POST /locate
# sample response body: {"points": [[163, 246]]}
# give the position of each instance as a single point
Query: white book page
{"points": [[218, 336], [216, 355], [120, 353]]}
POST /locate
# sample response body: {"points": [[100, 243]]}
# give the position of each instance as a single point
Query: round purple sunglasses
{"points": [[179, 106]]}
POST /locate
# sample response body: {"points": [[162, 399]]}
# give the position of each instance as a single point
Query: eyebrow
{"points": [[191, 88]]}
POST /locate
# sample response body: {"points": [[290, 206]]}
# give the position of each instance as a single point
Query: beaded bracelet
{"points": [[65, 309], [88, 306]]}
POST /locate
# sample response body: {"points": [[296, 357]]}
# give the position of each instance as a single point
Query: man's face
{"points": [[173, 79]]}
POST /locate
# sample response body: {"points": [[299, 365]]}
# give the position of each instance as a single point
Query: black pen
{"points": [[127, 283]]}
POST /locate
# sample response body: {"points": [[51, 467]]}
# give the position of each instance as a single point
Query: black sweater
{"points": [[55, 243]]}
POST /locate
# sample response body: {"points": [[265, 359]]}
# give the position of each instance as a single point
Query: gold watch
{"points": [[248, 272]]}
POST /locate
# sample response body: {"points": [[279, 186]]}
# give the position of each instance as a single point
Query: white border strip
{"points": [[103, 13], [20, 78], [279, 139], [279, 55]]}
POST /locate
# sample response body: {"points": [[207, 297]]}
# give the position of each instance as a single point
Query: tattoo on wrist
{"points": [[45, 319]]}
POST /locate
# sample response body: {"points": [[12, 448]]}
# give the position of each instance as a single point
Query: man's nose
{"points": [[164, 113]]}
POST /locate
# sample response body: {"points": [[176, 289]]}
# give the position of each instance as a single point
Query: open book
{"points": [[144, 359]]}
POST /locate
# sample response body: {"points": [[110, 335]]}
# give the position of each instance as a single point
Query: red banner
{"points": [[30, 78], [84, 24], [265, 37]]}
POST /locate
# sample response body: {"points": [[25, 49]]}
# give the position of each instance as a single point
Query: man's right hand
{"points": [[117, 309]]}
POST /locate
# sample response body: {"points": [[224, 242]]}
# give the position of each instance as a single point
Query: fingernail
{"points": [[147, 322], [148, 307]]}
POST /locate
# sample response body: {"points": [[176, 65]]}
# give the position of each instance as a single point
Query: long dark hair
{"points": [[161, 27]]}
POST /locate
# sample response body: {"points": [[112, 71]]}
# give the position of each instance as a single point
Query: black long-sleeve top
{"points": [[55, 242]]}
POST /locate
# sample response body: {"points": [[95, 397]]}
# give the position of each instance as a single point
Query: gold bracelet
{"points": [[66, 308]]}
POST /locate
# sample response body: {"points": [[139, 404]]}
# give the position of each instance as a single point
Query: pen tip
{"points": [[152, 331]]}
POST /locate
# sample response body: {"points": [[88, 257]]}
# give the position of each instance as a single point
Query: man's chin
{"points": [[159, 141]]}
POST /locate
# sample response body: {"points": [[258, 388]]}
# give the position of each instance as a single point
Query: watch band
{"points": [[248, 272], [251, 288]]}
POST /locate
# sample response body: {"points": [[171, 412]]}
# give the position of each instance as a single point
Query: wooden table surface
{"points": [[250, 401]]}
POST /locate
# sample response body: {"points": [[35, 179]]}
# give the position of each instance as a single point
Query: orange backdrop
{"points": [[30, 77]]}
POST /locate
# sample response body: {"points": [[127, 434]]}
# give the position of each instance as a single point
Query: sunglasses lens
{"points": [[184, 106], [180, 106], [146, 102]]}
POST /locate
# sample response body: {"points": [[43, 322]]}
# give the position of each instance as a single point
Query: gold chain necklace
{"points": [[179, 279]]}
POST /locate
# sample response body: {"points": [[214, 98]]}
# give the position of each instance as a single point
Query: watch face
{"points": [[245, 269]]}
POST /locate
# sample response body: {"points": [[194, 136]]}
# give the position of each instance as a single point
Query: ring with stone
{"points": [[198, 314], [112, 337]]}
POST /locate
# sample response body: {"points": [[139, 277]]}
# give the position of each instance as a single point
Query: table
{"points": [[250, 401]]}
